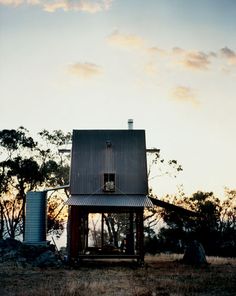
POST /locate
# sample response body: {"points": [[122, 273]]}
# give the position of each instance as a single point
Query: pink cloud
{"points": [[85, 70], [184, 94]]}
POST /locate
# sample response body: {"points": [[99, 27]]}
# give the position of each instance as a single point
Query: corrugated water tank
{"points": [[36, 217]]}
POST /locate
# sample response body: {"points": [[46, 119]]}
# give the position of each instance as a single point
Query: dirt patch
{"points": [[161, 275]]}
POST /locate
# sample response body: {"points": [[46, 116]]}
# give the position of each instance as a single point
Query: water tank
{"points": [[36, 218]]}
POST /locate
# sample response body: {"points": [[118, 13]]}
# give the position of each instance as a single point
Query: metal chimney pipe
{"points": [[130, 124]]}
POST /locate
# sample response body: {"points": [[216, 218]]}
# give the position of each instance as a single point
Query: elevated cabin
{"points": [[109, 187]]}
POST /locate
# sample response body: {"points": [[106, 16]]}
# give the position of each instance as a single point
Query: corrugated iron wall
{"points": [[96, 152]]}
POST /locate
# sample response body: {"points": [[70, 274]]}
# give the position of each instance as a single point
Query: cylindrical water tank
{"points": [[36, 217]]}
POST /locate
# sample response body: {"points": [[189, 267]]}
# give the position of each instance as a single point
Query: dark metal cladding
{"points": [[99, 152]]}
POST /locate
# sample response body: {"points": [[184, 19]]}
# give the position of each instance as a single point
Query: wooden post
{"points": [[130, 236], [73, 233], [139, 235], [102, 231], [85, 230]]}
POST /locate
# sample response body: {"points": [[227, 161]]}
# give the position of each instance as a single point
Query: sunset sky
{"points": [[168, 64]]}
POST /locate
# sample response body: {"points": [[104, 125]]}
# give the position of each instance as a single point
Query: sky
{"points": [[170, 65]]}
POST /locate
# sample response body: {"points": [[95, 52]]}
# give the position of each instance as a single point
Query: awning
{"points": [[97, 200]]}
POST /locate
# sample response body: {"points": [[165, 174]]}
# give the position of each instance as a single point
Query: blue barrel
{"points": [[36, 218]]}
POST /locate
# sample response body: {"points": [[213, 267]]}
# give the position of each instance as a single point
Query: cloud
{"points": [[193, 59], [85, 70], [200, 60], [196, 60], [53, 6], [213, 54], [187, 59], [229, 54], [82, 5], [156, 50], [89, 6], [127, 41], [11, 2], [178, 51], [185, 95]]}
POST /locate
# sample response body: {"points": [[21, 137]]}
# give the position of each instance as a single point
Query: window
{"points": [[109, 182]]}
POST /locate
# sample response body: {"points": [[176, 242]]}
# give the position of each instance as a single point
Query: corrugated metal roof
{"points": [[110, 200]]}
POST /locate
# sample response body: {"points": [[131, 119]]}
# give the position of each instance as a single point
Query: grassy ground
{"points": [[162, 275]]}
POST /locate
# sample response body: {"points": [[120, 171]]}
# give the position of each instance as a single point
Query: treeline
{"points": [[214, 225], [30, 164]]}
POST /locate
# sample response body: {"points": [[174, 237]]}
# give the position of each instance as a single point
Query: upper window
{"points": [[109, 182]]}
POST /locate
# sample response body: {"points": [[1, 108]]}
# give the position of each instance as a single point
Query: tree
{"points": [[227, 226], [117, 227], [56, 165], [3, 188], [158, 167], [55, 168], [56, 215], [27, 165], [17, 171], [213, 226]]}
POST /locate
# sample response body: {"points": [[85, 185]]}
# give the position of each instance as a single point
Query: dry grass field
{"points": [[161, 275]]}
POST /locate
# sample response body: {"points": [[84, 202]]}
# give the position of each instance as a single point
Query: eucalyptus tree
{"points": [[214, 225], [25, 165], [158, 167], [19, 172]]}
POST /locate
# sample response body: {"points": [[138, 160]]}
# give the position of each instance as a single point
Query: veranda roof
{"points": [[111, 200]]}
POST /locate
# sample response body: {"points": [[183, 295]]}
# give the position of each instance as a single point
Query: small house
{"points": [[108, 195], [108, 182]]}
